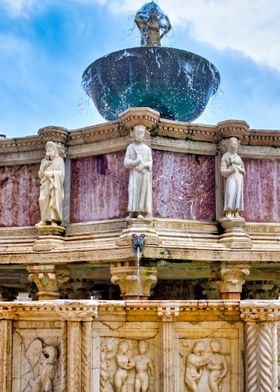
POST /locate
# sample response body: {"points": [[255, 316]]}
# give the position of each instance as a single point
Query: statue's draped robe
{"points": [[234, 182], [140, 181], [51, 190]]}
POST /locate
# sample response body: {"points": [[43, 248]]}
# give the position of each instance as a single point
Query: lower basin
{"points": [[176, 83]]}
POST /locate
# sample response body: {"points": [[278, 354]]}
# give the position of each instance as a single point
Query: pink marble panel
{"points": [[19, 195], [183, 186], [99, 188], [262, 190]]}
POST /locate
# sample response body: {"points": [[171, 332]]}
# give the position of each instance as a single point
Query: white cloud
{"points": [[250, 26], [22, 8]]}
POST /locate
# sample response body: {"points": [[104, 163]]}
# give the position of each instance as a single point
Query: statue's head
{"points": [[51, 150], [215, 346], [233, 144], [199, 348], [123, 347], [143, 347], [139, 133]]}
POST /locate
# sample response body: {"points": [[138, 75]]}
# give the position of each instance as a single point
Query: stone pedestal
{"points": [[50, 237], [235, 236], [134, 283], [47, 278], [139, 226]]}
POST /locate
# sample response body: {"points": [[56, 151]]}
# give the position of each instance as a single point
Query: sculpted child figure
{"points": [[138, 160], [143, 368], [195, 362], [51, 174], [217, 366], [232, 168], [123, 366]]}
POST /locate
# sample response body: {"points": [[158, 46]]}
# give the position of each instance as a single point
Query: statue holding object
{"points": [[138, 160], [51, 174], [232, 168]]}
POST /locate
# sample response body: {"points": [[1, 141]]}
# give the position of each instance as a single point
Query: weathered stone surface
{"points": [[184, 186], [19, 196], [262, 190]]}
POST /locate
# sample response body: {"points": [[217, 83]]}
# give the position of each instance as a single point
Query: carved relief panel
{"points": [[209, 358], [126, 362], [36, 360]]}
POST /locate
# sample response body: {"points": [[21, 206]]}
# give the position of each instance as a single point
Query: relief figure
{"points": [[195, 363], [232, 168], [138, 160], [217, 366], [51, 174], [107, 354], [143, 368], [45, 380], [124, 364]]}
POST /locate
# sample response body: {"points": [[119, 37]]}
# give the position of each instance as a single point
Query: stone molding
{"points": [[136, 116], [260, 311], [30, 149]]}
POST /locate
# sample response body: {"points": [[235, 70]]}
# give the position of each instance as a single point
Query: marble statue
{"points": [[45, 380], [138, 160], [51, 174], [123, 365], [143, 368], [217, 367], [232, 168], [195, 362]]}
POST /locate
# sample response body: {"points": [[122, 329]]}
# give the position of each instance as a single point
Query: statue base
{"points": [[235, 236], [50, 237], [139, 226]]}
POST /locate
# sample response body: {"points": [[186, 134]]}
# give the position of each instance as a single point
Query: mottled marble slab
{"points": [[183, 186], [99, 188], [19, 195], [262, 190]]}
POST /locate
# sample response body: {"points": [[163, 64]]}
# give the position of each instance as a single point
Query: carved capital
{"points": [[133, 282], [168, 313], [54, 134], [233, 128], [136, 116], [232, 279], [48, 278]]}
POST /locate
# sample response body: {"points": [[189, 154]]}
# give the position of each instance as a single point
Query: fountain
{"points": [[176, 83]]}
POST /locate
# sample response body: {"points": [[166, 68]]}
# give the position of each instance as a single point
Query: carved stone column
{"points": [[6, 340], [261, 346], [134, 282], [78, 336], [167, 315], [232, 279], [48, 278]]}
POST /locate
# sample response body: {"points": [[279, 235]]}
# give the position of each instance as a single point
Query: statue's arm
{"points": [[225, 169], [129, 162]]}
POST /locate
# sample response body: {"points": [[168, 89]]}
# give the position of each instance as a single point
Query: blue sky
{"points": [[46, 45]]}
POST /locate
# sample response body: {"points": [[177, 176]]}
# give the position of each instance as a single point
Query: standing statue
{"points": [[195, 362], [138, 159], [152, 23], [123, 365], [217, 367], [143, 368], [51, 174], [232, 168], [45, 380]]}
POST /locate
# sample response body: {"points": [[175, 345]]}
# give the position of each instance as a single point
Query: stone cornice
{"points": [[86, 310], [166, 134], [260, 311]]}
